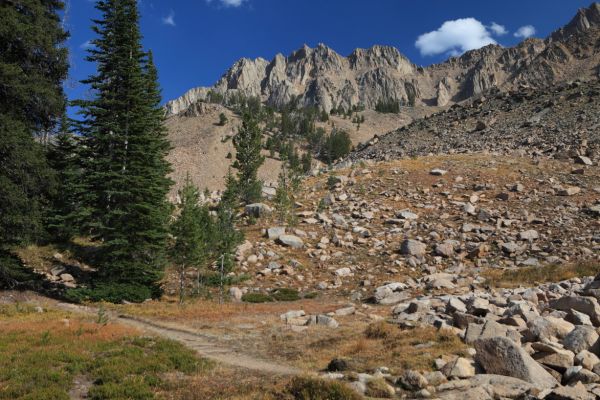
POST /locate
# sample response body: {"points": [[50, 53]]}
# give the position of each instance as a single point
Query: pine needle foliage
{"points": [[126, 142]]}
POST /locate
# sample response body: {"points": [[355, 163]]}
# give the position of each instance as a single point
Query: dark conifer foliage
{"points": [[248, 159], [193, 234], [33, 65], [226, 236], [126, 143], [67, 215]]}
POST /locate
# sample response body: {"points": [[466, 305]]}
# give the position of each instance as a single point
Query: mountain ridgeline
{"points": [[381, 74]]}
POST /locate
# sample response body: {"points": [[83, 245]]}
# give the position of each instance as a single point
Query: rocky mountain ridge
{"points": [[320, 76]]}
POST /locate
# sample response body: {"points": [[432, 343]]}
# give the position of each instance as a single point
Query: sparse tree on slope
{"points": [[248, 144], [192, 232], [226, 236], [223, 119]]}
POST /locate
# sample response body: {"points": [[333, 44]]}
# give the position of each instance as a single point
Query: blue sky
{"points": [[195, 41]]}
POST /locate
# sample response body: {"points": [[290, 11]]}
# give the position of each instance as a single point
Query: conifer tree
{"points": [[33, 65], [287, 188], [192, 231], [66, 216], [123, 131], [248, 144], [230, 195], [226, 236]]}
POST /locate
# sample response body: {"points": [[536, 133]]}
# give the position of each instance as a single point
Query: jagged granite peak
{"points": [[245, 75], [320, 76], [586, 18], [380, 57]]}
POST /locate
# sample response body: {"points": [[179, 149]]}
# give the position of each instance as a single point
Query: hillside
{"points": [[497, 79], [201, 147], [560, 122]]}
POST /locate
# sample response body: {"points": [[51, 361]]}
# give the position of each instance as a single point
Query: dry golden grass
{"points": [[537, 275], [212, 311], [226, 384], [85, 331], [366, 347], [379, 330]]}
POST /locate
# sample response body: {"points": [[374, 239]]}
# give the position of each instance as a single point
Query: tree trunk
{"points": [[181, 284]]}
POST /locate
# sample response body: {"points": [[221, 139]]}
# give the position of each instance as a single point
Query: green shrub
{"points": [[111, 292], [11, 310], [14, 274], [305, 388], [332, 180], [223, 119], [389, 106], [130, 388], [286, 294], [39, 364], [257, 298], [337, 145], [310, 295], [214, 279]]}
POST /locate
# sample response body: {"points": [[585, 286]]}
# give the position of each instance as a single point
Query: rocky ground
{"points": [[465, 275], [452, 214], [559, 122], [424, 243]]}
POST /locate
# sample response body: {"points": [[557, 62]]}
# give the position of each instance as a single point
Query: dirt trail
{"points": [[204, 345]]}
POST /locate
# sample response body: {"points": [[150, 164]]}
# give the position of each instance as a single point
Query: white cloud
{"points": [[525, 31], [454, 38], [169, 19], [86, 45], [498, 29], [229, 3]]}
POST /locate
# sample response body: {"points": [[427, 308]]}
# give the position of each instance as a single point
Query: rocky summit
{"points": [[321, 77]]}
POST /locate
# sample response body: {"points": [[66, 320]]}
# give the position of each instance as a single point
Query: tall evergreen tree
{"points": [[124, 133], [248, 144], [33, 65]]}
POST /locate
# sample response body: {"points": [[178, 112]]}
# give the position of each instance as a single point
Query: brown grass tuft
{"points": [[379, 330], [537, 275]]}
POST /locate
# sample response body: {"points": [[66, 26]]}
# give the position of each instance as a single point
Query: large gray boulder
{"points": [[555, 358], [485, 386], [276, 231], [459, 368], [257, 210], [584, 304], [502, 356], [574, 392], [392, 293], [581, 338], [488, 330], [548, 327], [413, 247], [291, 241]]}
